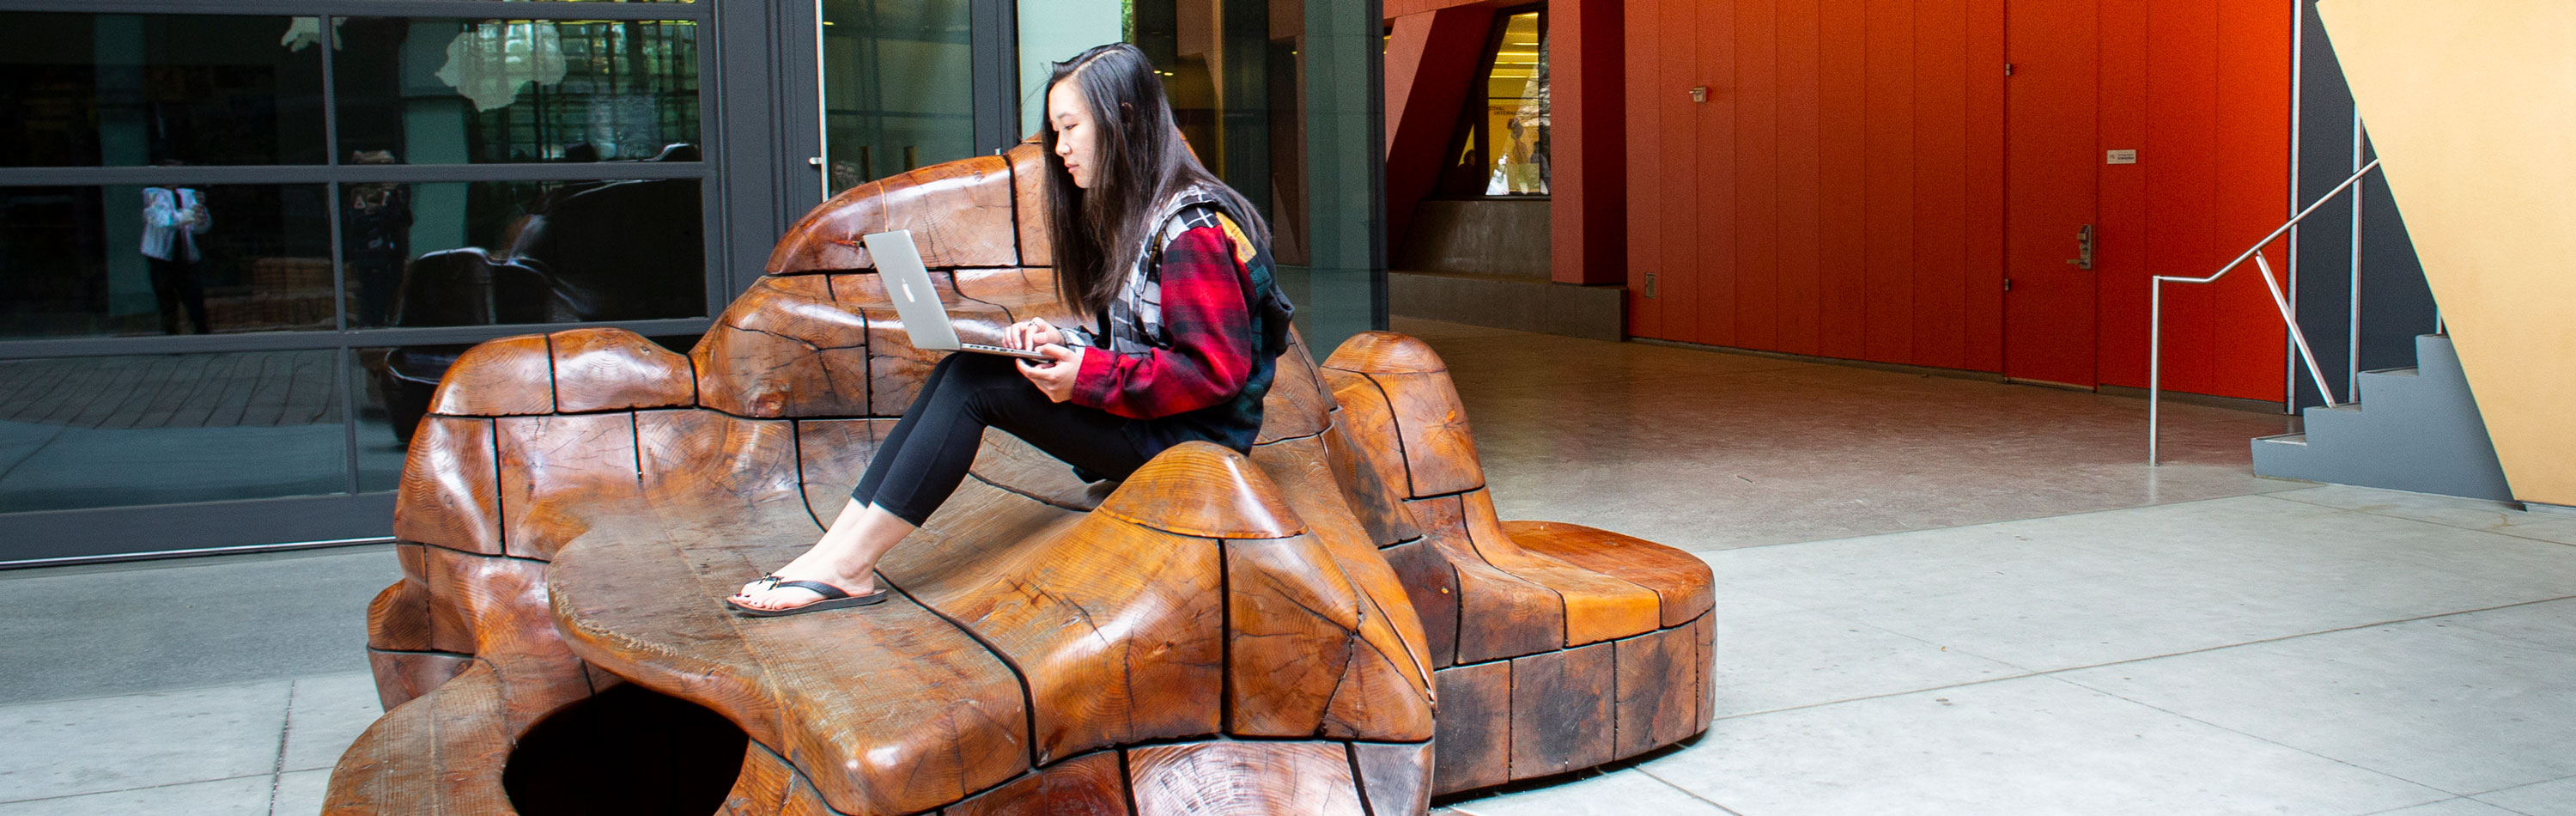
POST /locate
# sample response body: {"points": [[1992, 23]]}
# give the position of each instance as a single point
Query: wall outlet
{"points": [[1650, 284]]}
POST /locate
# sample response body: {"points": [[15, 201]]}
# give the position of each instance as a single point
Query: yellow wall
{"points": [[2472, 107]]}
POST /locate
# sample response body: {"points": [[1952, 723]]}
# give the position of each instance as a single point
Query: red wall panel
{"points": [[1841, 191]]}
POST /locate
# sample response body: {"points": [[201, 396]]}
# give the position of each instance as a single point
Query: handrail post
{"points": [[2155, 361]]}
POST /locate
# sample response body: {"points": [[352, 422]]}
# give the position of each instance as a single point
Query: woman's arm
{"points": [[1210, 326]]}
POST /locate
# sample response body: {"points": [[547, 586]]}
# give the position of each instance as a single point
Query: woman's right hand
{"points": [[1032, 333]]}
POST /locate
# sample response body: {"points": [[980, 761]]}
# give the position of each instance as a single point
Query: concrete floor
{"points": [[1935, 595]]}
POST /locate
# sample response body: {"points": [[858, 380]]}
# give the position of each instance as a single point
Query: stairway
{"points": [[2420, 432]]}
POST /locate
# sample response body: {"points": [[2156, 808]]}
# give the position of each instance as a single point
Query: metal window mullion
{"points": [[470, 9], [317, 340], [324, 174]]}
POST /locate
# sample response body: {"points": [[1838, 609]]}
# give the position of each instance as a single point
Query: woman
{"points": [[1155, 252]]}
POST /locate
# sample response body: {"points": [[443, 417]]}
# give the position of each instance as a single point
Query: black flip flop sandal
{"points": [[833, 598]]}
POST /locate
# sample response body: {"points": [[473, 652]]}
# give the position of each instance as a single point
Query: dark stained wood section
{"points": [[1474, 747], [1561, 710], [1219, 633]]}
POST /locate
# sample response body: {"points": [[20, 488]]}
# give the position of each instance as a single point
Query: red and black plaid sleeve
{"points": [[1210, 328]]}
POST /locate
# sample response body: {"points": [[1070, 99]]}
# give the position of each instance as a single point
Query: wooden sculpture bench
{"points": [[1336, 619]]}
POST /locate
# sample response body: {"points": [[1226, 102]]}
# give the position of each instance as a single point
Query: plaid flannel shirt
{"points": [[1180, 344]]}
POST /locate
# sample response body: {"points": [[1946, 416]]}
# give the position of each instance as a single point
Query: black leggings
{"points": [[924, 458]]}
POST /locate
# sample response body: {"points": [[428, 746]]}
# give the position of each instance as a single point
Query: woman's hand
{"points": [[1032, 333], [1053, 378]]}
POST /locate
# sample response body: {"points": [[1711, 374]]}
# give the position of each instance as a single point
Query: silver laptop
{"points": [[907, 282]]}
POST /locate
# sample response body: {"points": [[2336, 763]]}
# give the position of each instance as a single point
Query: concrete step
{"points": [[1510, 302], [2418, 429]]}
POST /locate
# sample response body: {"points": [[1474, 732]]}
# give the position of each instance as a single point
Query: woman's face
{"points": [[1075, 133]]}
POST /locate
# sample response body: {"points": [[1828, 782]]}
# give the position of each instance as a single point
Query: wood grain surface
{"points": [[785, 348], [553, 470], [1658, 690], [1681, 581], [1561, 710], [402, 676], [616, 369], [501, 377], [1028, 190], [1474, 744], [450, 494], [1202, 489], [960, 214], [1087, 785], [1395, 776], [441, 753], [1265, 777], [1597, 607]]}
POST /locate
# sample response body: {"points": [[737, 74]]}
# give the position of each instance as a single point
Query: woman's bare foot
{"points": [[846, 558]]}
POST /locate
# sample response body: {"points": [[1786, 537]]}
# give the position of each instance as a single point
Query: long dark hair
{"points": [[1140, 162]]}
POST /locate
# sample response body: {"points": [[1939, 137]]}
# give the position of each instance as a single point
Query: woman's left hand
{"points": [[1055, 379]]}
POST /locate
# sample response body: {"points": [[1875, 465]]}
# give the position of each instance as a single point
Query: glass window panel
{"points": [[126, 90], [446, 91], [1502, 142], [897, 88], [486, 252], [80, 261], [159, 429], [1054, 31]]}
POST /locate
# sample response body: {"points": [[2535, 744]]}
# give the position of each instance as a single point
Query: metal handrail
{"points": [[2156, 312]]}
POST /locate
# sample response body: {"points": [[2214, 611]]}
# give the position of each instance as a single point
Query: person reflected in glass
{"points": [[1151, 249], [173, 217], [377, 230]]}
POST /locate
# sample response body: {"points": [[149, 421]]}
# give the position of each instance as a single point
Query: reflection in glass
{"points": [[128, 260], [160, 429], [1503, 140], [897, 88], [130, 90], [445, 91], [488, 252]]}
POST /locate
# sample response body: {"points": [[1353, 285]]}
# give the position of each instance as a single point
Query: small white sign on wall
{"points": [[2120, 157]]}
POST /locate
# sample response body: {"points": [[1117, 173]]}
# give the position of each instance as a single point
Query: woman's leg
{"points": [[925, 457]]}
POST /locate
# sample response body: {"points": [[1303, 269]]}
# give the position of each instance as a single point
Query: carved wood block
{"points": [[1115, 628], [1597, 607], [1500, 614], [785, 348], [1439, 450], [1367, 419], [960, 214], [1029, 165], [1561, 712], [616, 369], [643, 611], [1202, 489], [1023, 293], [460, 724], [557, 469], [1264, 777], [1680, 580], [450, 494], [1433, 585], [1396, 777], [761, 789], [1705, 637], [702, 467], [1658, 688], [1367, 495], [1299, 403], [896, 368], [831, 456], [1383, 352], [502, 377], [1019, 467], [1299, 662], [1299, 468], [1474, 747], [403, 676], [495, 609], [1088, 785], [398, 618]]}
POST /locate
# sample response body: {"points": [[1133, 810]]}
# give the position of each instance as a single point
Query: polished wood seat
{"points": [[1220, 632]]}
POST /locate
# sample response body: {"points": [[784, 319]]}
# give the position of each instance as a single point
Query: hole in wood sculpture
{"points": [[628, 750]]}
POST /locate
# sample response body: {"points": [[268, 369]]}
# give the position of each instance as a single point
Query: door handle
{"points": [[2083, 248]]}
